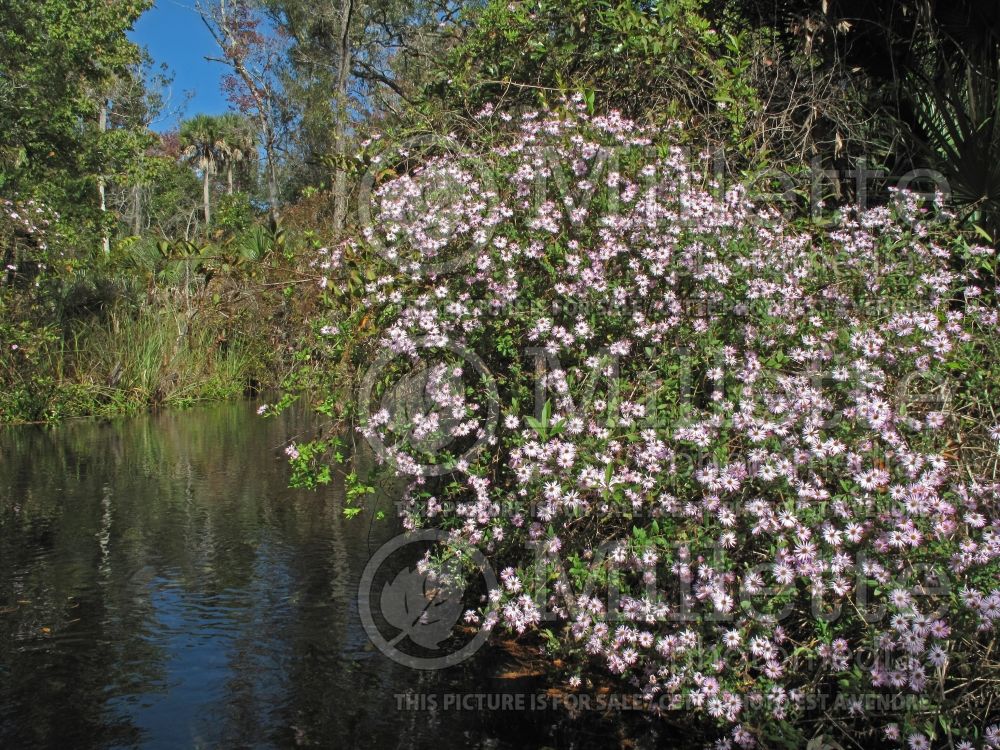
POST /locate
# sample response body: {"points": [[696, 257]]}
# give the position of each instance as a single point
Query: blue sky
{"points": [[174, 34]]}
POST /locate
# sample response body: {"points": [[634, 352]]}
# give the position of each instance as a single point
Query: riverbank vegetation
{"points": [[682, 314]]}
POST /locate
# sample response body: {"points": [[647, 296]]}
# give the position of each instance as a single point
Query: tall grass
{"points": [[168, 353], [160, 356], [151, 326]]}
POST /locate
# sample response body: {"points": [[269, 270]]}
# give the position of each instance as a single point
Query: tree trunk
{"points": [[206, 189], [229, 178], [102, 125], [259, 89], [340, 136], [272, 170], [136, 209], [272, 188]]}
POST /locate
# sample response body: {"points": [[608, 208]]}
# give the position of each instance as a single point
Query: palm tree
{"points": [[238, 144], [201, 138]]}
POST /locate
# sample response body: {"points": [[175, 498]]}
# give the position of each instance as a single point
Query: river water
{"points": [[161, 587]]}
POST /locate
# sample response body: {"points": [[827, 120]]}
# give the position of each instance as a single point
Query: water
{"points": [[161, 587]]}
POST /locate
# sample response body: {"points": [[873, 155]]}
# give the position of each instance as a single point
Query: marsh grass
{"points": [[163, 356], [130, 359]]}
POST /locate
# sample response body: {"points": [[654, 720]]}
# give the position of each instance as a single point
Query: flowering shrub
{"points": [[26, 348], [23, 234], [730, 469]]}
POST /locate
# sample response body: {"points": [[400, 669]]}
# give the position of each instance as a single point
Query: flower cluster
{"points": [[29, 220], [727, 474], [30, 217]]}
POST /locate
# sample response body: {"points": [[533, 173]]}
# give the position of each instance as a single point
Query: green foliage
{"points": [[125, 361], [26, 355], [66, 67], [957, 112], [355, 492], [235, 213], [372, 67], [657, 61], [640, 56], [257, 243], [311, 462], [55, 56]]}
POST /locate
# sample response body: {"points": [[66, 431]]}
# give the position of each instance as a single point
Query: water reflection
{"points": [[161, 587]]}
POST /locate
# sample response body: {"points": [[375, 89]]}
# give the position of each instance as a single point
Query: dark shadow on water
{"points": [[163, 588]]}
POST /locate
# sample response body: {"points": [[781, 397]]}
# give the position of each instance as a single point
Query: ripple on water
{"points": [[164, 588]]}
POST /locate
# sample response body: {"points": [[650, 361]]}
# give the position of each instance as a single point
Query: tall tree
{"points": [[238, 145], [141, 100], [58, 62], [356, 59], [255, 56], [201, 138]]}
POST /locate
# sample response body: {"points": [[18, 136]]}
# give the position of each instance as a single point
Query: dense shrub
{"points": [[762, 85], [759, 488]]}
